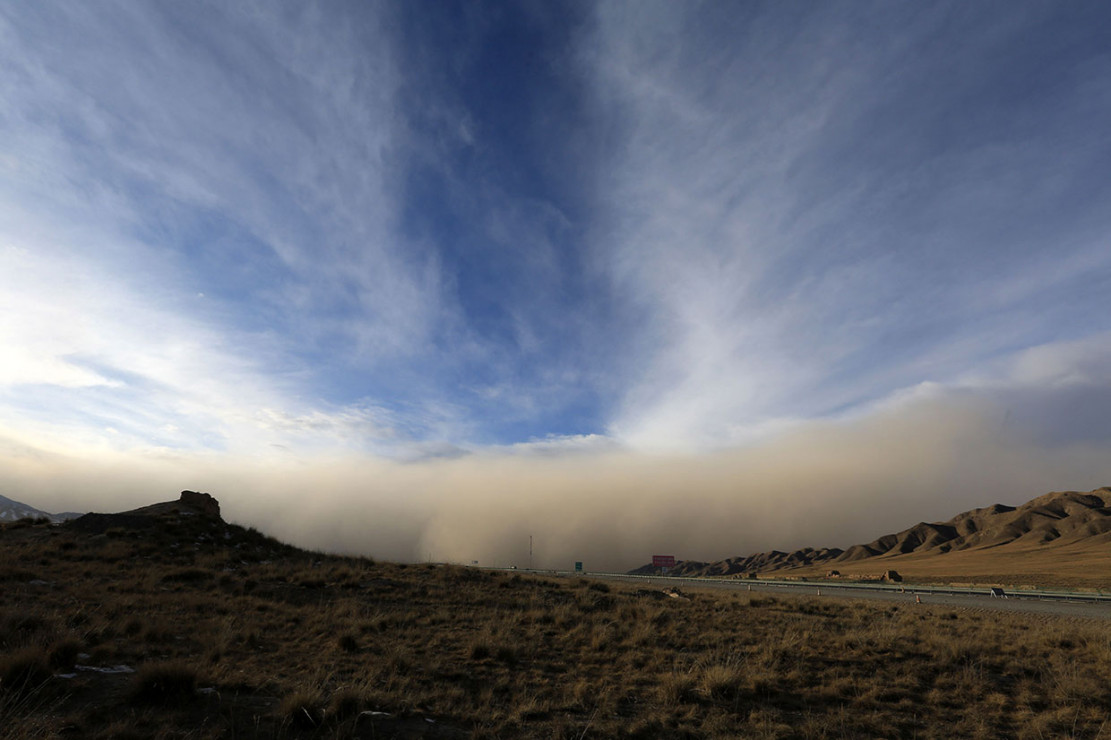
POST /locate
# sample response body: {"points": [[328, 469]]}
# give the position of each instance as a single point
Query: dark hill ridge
{"points": [[1055, 519], [188, 525], [190, 504]]}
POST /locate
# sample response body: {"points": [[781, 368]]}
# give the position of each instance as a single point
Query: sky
{"points": [[419, 280]]}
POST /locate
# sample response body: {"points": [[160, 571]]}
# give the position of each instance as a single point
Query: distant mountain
{"points": [[11, 511], [1055, 520], [759, 563]]}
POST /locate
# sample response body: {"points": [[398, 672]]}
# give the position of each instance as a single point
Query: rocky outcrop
{"points": [[202, 502], [190, 503]]}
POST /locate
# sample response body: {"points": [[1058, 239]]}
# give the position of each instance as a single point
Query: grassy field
{"points": [[195, 629]]}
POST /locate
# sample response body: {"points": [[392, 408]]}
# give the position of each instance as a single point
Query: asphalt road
{"points": [[1061, 605]]}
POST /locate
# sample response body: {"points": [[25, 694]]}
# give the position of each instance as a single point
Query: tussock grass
{"points": [[164, 683], [674, 689], [721, 681], [303, 709]]}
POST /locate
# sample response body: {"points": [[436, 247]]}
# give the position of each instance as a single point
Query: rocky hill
{"points": [[1056, 519], [12, 511], [190, 504], [757, 563], [189, 525]]}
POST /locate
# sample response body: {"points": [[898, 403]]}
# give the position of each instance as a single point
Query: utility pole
{"points": [[530, 552]]}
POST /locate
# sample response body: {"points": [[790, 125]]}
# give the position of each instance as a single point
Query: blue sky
{"points": [[416, 231]]}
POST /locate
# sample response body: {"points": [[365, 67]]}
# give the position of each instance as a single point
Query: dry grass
{"points": [[247, 638], [1081, 565]]}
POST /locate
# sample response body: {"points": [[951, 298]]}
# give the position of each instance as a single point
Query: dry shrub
{"points": [[187, 575], [592, 602], [346, 703], [529, 708], [506, 654], [164, 683], [480, 650], [721, 682], [134, 626], [27, 629], [24, 671], [675, 689], [120, 731], [395, 662], [348, 643], [303, 709], [17, 574], [64, 652]]}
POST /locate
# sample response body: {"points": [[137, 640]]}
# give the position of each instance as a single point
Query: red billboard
{"points": [[663, 561]]}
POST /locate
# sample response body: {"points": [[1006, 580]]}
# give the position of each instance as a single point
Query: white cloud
{"points": [[769, 263], [282, 126], [163, 380], [794, 241], [153, 154]]}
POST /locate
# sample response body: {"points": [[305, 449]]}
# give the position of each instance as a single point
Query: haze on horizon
{"points": [[422, 280]]}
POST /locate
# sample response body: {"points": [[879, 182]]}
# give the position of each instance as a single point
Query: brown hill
{"points": [[1061, 537], [1066, 516]]}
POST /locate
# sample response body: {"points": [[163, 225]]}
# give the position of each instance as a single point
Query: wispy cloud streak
{"points": [[817, 208], [198, 217]]}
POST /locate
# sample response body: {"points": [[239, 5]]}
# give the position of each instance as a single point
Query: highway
{"points": [[1055, 603]]}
